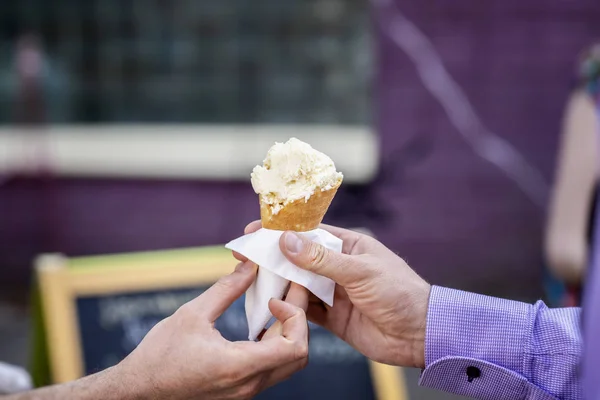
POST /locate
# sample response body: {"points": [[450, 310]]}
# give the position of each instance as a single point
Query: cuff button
{"points": [[472, 373]]}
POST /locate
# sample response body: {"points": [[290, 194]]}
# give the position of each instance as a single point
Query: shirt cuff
{"points": [[475, 345], [473, 325]]}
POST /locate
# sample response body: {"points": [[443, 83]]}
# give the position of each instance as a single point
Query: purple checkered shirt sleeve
{"points": [[490, 348]]}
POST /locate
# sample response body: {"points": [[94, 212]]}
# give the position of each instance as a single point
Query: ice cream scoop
{"points": [[296, 185]]}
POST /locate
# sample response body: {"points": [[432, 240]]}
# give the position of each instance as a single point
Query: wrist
{"points": [[418, 343], [127, 383]]}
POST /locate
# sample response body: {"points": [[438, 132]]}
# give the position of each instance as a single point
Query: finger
{"points": [[298, 296], [334, 319], [342, 268], [273, 331], [271, 353], [239, 257], [291, 345], [293, 320], [291, 323], [276, 329], [220, 296], [252, 227]]}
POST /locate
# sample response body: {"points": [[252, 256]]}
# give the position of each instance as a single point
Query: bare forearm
{"points": [[568, 217], [107, 385]]}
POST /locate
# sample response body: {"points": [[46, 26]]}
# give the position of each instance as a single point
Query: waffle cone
{"points": [[299, 215]]}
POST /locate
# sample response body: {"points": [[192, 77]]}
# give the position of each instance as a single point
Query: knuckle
{"points": [[301, 351], [233, 377], [304, 318], [182, 314], [303, 363], [253, 388], [161, 324], [299, 314], [247, 391], [318, 255]]}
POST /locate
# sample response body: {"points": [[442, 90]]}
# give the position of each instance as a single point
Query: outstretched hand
{"points": [[380, 303], [185, 357]]}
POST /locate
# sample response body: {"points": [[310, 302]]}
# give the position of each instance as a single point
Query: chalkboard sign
{"points": [[112, 326], [99, 309]]}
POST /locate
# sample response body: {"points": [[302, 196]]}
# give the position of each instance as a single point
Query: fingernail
{"points": [[293, 243]]}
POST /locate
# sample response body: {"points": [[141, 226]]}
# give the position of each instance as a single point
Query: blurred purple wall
{"points": [[463, 222], [456, 218]]}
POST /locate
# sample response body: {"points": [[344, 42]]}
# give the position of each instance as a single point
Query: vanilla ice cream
{"points": [[293, 171]]}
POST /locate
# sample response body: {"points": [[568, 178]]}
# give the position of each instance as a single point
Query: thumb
{"points": [[342, 268]]}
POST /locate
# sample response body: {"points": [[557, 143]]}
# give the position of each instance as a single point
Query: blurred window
{"points": [[194, 61]]}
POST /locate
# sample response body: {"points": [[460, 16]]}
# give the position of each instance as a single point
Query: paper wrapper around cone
{"points": [[300, 215]]}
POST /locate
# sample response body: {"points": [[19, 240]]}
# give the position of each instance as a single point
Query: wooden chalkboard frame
{"points": [[61, 280]]}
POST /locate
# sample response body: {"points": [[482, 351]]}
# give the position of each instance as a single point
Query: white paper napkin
{"points": [[275, 273]]}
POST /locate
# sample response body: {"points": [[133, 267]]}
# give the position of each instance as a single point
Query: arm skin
{"points": [[108, 384], [566, 247]]}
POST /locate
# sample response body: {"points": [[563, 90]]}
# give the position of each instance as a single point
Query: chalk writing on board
{"points": [[135, 330], [114, 310]]}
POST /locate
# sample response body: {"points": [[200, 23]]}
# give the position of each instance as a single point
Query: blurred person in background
{"points": [[571, 218], [34, 87], [185, 357]]}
